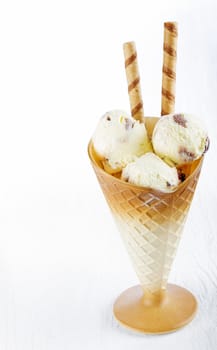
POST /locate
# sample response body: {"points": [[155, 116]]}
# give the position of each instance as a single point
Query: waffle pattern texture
{"points": [[150, 222]]}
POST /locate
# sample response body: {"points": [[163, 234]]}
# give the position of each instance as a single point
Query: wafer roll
{"points": [[133, 80], [169, 68]]}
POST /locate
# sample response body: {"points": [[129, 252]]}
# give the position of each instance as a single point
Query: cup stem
{"points": [[154, 298]]}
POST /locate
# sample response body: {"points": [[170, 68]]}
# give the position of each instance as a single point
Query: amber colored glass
{"points": [[151, 223]]}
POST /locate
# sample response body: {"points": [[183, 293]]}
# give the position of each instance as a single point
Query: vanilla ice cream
{"points": [[119, 139], [179, 138], [151, 171]]}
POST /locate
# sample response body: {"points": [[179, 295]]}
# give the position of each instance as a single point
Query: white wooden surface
{"points": [[62, 263]]}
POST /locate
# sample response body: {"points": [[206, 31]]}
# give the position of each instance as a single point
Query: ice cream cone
{"points": [[151, 224]]}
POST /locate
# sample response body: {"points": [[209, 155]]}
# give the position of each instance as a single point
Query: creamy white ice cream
{"points": [[151, 171], [119, 139], [179, 138]]}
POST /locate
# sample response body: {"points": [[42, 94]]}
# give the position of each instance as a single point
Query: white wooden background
{"points": [[62, 263]]}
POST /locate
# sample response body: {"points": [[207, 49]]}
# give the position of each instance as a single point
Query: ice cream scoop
{"points": [[119, 139], [151, 171], [179, 138]]}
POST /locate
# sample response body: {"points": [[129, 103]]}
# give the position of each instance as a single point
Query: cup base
{"points": [[162, 313]]}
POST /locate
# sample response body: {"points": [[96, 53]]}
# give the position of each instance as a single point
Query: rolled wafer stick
{"points": [[133, 80], [169, 68]]}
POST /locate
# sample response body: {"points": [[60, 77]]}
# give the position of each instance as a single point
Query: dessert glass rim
{"points": [[197, 162]]}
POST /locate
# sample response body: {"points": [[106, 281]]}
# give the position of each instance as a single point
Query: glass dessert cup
{"points": [[151, 223]]}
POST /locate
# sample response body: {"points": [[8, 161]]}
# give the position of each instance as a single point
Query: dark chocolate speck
{"points": [[186, 155], [179, 119], [128, 123], [207, 145], [181, 176]]}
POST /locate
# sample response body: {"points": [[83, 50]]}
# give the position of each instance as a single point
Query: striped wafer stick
{"points": [[169, 68], [133, 80]]}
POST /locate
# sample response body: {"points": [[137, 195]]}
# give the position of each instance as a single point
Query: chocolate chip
{"points": [[207, 145], [181, 175], [108, 118], [168, 184], [128, 123], [186, 155], [179, 119]]}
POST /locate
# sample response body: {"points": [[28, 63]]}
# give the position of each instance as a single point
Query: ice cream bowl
{"points": [[151, 224]]}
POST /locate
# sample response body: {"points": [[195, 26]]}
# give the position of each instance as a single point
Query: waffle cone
{"points": [[150, 221]]}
